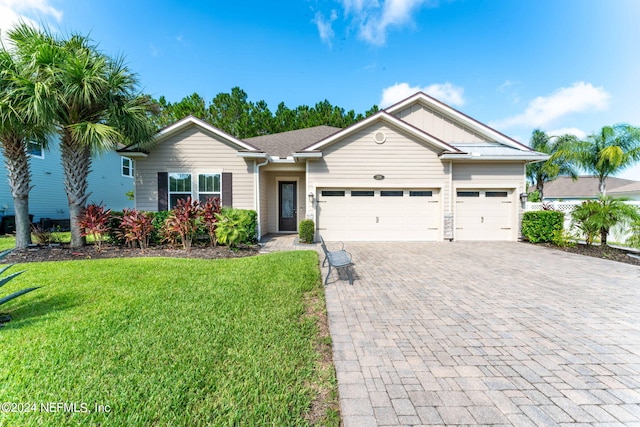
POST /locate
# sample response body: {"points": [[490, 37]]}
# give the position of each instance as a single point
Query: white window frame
{"points": [[214, 193], [130, 167], [36, 144], [186, 193]]}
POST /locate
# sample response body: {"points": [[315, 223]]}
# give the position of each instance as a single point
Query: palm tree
{"points": [[609, 151], [599, 216], [18, 125], [92, 101], [561, 161]]}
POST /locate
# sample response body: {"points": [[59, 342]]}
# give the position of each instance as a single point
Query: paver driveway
{"points": [[485, 333]]}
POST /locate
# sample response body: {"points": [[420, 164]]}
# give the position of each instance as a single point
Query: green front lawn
{"points": [[163, 342]]}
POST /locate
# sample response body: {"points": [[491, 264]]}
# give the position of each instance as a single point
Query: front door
{"points": [[287, 211]]}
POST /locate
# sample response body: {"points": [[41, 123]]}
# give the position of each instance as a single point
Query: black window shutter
{"points": [[163, 191], [227, 189]]}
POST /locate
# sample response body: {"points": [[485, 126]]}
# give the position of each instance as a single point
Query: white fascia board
{"points": [[133, 154], [252, 154], [525, 158], [458, 116], [309, 155], [387, 118], [276, 159]]}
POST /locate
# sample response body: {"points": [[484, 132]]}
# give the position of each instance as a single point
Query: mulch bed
{"points": [[64, 253], [597, 251]]}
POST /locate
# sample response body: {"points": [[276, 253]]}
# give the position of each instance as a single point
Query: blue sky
{"points": [[560, 65]]}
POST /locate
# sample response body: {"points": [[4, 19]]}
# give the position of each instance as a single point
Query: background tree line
{"points": [[235, 114]]}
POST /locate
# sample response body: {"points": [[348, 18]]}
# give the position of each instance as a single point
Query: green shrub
{"points": [[115, 232], [159, 219], [634, 239], [236, 226], [540, 226], [534, 196], [307, 230]]}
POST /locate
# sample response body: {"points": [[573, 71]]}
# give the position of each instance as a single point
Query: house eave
{"points": [[133, 154], [477, 157], [252, 155], [308, 155]]}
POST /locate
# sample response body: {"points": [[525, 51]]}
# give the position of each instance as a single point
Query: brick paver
{"points": [[485, 334]]}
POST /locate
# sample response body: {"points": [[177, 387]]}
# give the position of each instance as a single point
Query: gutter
{"points": [[478, 157]]}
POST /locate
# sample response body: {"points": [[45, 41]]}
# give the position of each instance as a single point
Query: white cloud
{"points": [[324, 25], [31, 12], [445, 92], [581, 97], [373, 18]]}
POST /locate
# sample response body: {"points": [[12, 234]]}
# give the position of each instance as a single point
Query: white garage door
{"points": [[379, 215], [484, 214]]}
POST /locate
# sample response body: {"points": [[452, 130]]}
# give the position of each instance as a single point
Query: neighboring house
{"points": [[110, 179], [418, 170], [586, 187]]}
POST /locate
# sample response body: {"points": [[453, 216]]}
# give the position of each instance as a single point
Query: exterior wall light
{"points": [[310, 197], [378, 177], [523, 198]]}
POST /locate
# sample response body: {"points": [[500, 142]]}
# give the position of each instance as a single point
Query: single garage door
{"points": [[484, 214], [362, 215]]}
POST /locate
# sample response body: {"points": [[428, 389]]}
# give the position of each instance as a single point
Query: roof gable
{"points": [[180, 126], [432, 103], [387, 118]]}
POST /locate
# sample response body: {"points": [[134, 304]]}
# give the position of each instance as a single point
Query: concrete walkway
{"points": [[485, 334]]}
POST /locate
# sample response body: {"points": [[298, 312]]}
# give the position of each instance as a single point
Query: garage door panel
{"points": [[388, 215], [484, 214]]}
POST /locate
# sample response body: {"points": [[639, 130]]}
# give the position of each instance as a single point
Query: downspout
{"points": [[451, 203], [259, 219]]}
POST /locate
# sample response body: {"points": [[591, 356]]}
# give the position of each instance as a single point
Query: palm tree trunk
{"points": [[76, 164], [540, 188], [17, 163], [602, 185]]}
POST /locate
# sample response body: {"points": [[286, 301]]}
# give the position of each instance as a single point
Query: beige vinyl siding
{"points": [[193, 151], [353, 162], [438, 125], [492, 174], [271, 194]]}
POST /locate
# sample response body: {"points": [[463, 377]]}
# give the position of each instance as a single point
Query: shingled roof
{"points": [[586, 187], [286, 143]]}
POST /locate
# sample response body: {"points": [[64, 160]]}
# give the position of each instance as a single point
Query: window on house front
{"points": [[35, 149], [127, 167], [179, 187], [209, 186]]}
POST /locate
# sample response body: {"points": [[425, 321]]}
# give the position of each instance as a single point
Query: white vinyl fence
{"points": [[618, 234]]}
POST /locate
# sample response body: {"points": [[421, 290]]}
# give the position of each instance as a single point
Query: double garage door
{"points": [[379, 214], [413, 214]]}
